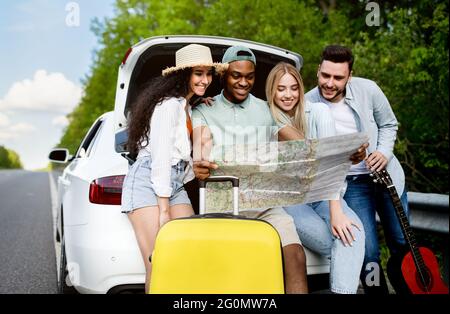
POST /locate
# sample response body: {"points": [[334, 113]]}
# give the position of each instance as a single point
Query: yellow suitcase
{"points": [[217, 253]]}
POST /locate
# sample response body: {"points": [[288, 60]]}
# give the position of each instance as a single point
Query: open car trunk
{"points": [[149, 57]]}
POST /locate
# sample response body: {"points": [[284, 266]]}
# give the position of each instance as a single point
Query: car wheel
{"points": [[63, 287]]}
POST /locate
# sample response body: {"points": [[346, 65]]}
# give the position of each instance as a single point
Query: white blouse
{"points": [[168, 144]]}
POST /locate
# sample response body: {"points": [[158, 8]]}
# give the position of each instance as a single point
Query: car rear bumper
{"points": [[103, 254]]}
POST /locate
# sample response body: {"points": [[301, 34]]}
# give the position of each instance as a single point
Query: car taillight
{"points": [[106, 190], [127, 54]]}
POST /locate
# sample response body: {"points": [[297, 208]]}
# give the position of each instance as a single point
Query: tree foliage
{"points": [[407, 55], [409, 60], [9, 159]]}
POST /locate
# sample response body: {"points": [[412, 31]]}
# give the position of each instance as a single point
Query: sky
{"points": [[46, 49]]}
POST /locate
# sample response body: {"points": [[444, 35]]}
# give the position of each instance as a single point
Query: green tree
{"points": [[4, 158], [15, 160], [410, 63], [293, 25], [9, 159]]}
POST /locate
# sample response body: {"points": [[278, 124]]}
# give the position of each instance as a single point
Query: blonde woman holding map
{"points": [[329, 228]]}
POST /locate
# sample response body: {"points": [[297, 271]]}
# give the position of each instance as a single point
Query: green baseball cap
{"points": [[238, 53]]}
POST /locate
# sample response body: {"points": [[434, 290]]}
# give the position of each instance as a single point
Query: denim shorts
{"points": [[137, 189]]}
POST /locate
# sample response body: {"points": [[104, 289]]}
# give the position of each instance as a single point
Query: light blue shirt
{"points": [[374, 116], [319, 121]]}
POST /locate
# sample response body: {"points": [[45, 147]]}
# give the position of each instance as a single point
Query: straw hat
{"points": [[194, 55]]}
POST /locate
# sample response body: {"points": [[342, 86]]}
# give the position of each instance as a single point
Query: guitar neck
{"points": [[406, 228]]}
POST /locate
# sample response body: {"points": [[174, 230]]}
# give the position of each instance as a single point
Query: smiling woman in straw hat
{"points": [[159, 134]]}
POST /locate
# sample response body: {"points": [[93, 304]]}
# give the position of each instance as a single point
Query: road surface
{"points": [[27, 248]]}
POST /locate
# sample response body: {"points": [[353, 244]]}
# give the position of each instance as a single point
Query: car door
{"points": [[72, 182]]}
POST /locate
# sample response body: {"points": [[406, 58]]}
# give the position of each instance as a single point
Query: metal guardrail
{"points": [[428, 211]]}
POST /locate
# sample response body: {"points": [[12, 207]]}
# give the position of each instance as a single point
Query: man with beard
{"points": [[359, 105]]}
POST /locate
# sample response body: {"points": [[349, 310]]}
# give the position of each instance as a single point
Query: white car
{"points": [[99, 252]]}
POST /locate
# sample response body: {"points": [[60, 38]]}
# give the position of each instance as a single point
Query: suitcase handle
{"points": [[233, 180]]}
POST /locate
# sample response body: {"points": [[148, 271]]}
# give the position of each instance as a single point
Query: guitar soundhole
{"points": [[426, 282]]}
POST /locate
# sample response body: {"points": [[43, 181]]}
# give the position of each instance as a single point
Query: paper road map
{"points": [[283, 173]]}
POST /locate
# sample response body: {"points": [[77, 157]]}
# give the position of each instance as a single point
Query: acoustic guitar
{"points": [[419, 266]]}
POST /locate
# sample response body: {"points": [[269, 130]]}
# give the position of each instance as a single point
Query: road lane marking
{"points": [[54, 200]]}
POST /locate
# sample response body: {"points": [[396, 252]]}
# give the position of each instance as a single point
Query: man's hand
{"points": [[376, 161], [201, 169], [360, 154]]}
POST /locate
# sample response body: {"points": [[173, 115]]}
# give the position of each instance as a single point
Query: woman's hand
{"points": [[164, 217], [209, 101], [341, 225], [164, 210]]}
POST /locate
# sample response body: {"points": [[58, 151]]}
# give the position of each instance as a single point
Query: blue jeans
{"points": [[367, 198], [313, 227]]}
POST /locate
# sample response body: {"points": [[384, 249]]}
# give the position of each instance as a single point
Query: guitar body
{"points": [[412, 278], [420, 268]]}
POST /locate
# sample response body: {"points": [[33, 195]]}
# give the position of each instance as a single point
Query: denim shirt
{"points": [[374, 116]]}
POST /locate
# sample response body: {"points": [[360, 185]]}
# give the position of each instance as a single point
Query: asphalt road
{"points": [[27, 250]]}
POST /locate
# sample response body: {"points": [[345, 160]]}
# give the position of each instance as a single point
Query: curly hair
{"points": [[173, 85]]}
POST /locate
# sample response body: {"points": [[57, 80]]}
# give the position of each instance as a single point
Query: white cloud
{"points": [[22, 128], [4, 120], [50, 92], [16, 131], [5, 136], [60, 121]]}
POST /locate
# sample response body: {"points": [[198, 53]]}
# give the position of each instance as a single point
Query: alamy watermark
{"points": [[373, 17], [73, 15], [373, 277]]}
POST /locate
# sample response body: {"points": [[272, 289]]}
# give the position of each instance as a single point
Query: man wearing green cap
{"points": [[238, 117]]}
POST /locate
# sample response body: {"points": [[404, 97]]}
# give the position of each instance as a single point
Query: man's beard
{"points": [[338, 93]]}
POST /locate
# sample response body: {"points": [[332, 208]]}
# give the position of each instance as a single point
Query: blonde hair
{"points": [[273, 79]]}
